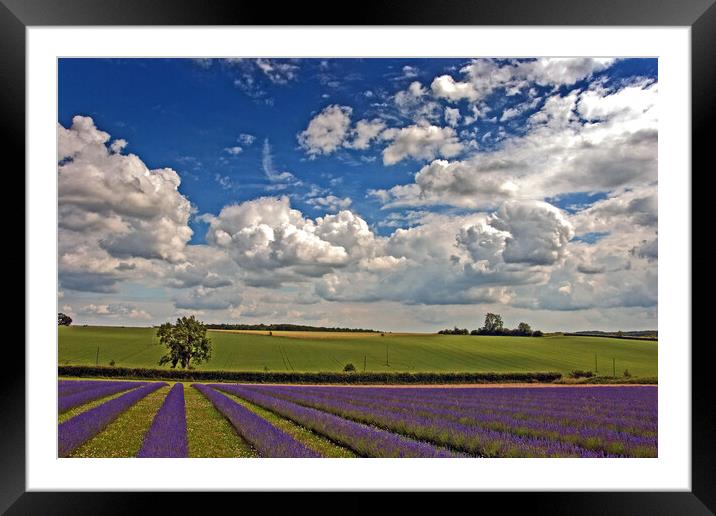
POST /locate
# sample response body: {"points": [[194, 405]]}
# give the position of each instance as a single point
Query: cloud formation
{"points": [[364, 133], [557, 155], [326, 131], [484, 76], [267, 234], [115, 213], [544, 200], [330, 203], [538, 231], [114, 311], [421, 141]]}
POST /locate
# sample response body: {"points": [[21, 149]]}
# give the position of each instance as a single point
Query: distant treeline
{"points": [[306, 378], [494, 326], [633, 333], [629, 335], [501, 331], [284, 327]]}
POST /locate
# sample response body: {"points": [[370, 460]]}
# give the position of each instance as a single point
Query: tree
{"points": [[185, 341], [63, 320], [493, 323], [349, 368], [524, 329]]}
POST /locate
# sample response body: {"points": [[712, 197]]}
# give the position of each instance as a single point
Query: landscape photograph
{"points": [[357, 257]]}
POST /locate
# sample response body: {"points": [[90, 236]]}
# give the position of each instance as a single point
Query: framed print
{"points": [[446, 240]]}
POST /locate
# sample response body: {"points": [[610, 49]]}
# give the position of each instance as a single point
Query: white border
{"points": [[670, 471]]}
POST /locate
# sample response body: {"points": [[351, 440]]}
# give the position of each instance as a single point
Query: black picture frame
{"points": [[699, 15]]}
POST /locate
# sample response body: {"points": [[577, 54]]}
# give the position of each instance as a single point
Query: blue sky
{"points": [[397, 143]]}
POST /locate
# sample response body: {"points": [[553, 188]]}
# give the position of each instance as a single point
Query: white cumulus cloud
{"points": [[326, 131], [421, 141], [115, 213]]}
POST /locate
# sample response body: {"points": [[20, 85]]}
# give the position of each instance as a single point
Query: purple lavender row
{"points": [[569, 397], [593, 438], [636, 410], [79, 429], [167, 436], [483, 402], [633, 401], [268, 440], [474, 440], [65, 403], [590, 437], [480, 441], [67, 387], [364, 440], [624, 409]]}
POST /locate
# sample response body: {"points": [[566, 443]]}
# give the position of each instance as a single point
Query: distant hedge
{"points": [[612, 336], [292, 377], [596, 380], [287, 327]]}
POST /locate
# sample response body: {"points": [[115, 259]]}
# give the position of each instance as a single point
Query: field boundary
{"points": [[608, 336], [308, 378], [610, 380]]}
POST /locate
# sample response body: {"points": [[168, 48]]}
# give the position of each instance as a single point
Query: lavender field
{"points": [[149, 419]]}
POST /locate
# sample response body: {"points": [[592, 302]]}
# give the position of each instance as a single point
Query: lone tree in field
{"points": [[493, 323], [524, 329], [185, 341], [63, 320]]}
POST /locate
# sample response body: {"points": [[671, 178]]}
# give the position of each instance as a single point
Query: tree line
{"points": [[495, 326], [284, 327]]}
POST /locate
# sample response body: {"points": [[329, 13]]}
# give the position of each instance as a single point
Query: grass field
{"points": [[314, 351]]}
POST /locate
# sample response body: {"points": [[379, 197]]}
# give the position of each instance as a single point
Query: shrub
{"points": [[455, 331], [111, 362], [627, 374], [349, 368], [578, 373], [634, 380]]}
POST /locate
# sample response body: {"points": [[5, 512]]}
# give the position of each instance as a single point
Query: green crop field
{"points": [[311, 352]]}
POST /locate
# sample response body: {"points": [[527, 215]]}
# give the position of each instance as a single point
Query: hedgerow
{"points": [[296, 377]]}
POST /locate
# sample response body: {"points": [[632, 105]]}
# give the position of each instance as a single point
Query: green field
{"points": [[311, 352]]}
